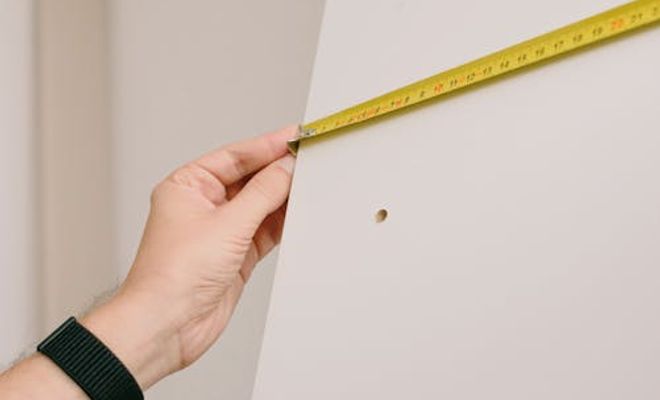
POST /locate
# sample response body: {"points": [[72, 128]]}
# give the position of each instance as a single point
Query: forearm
{"points": [[137, 333], [36, 378]]}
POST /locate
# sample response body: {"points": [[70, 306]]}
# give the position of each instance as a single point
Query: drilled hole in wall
{"points": [[381, 215]]}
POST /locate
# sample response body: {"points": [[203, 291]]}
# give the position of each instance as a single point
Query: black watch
{"points": [[83, 357]]}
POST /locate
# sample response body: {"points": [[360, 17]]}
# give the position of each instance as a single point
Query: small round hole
{"points": [[381, 215]]}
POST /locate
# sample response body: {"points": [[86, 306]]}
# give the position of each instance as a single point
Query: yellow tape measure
{"points": [[587, 32]]}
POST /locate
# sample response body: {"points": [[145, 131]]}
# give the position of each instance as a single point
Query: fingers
{"points": [[265, 239], [231, 163], [262, 195], [236, 187], [269, 233]]}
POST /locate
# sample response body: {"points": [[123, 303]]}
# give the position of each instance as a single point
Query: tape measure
{"points": [[583, 33]]}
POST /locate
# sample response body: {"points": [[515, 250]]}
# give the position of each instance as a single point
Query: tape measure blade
{"points": [[548, 46]]}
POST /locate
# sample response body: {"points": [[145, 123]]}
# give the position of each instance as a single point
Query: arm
{"points": [[211, 221]]}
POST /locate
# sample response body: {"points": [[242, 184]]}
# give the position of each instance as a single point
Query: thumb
{"points": [[264, 193]]}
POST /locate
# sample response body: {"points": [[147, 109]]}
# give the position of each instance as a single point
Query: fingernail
{"points": [[287, 162], [296, 130]]}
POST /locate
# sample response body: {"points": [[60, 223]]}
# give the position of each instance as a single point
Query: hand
{"points": [[211, 221]]}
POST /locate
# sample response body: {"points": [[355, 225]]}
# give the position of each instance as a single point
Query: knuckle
{"points": [[187, 175], [157, 193]]}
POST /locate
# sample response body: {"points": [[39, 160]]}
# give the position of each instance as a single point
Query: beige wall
{"points": [[126, 90], [19, 283], [76, 151], [56, 211], [100, 100]]}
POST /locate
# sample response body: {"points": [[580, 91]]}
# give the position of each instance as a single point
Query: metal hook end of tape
{"points": [[303, 133]]}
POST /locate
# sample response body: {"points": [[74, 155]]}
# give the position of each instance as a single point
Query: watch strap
{"points": [[93, 366]]}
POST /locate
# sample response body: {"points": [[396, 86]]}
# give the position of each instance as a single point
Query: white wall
{"points": [[188, 76], [19, 288], [519, 259]]}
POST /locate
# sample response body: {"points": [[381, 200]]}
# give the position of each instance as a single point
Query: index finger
{"points": [[231, 163]]}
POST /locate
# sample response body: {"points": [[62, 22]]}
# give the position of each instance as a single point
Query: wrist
{"points": [[140, 333]]}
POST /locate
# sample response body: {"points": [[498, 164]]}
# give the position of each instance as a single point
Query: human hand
{"points": [[210, 222]]}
